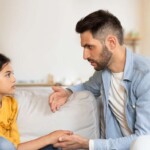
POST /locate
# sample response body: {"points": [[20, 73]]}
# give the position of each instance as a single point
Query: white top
{"points": [[117, 101]]}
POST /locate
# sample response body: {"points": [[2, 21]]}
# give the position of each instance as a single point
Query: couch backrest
{"points": [[79, 114]]}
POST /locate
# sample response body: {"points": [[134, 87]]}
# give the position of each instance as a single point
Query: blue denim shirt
{"points": [[136, 81]]}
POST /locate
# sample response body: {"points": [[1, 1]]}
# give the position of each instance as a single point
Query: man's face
{"points": [[7, 80], [95, 52]]}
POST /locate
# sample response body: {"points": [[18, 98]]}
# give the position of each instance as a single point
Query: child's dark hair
{"points": [[3, 60]]}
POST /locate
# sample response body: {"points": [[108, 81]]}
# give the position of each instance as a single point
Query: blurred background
{"points": [[39, 36]]}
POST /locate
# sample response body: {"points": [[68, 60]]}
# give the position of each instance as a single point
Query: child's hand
{"points": [[54, 136]]}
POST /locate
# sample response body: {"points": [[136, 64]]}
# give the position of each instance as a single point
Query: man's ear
{"points": [[111, 42]]}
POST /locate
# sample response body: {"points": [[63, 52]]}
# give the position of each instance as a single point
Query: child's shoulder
{"points": [[10, 99], [11, 103]]}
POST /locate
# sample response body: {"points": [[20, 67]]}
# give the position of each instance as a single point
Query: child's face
{"points": [[7, 80]]}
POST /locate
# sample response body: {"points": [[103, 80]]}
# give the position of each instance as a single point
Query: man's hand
{"points": [[70, 142], [58, 97], [53, 137]]}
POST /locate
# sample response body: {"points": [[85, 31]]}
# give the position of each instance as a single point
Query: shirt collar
{"points": [[128, 70]]}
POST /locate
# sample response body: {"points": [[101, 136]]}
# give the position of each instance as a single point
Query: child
{"points": [[9, 136]]}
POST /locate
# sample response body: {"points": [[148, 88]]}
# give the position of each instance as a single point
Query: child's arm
{"points": [[43, 141]]}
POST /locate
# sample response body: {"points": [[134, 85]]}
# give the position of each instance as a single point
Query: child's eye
{"points": [[8, 75]]}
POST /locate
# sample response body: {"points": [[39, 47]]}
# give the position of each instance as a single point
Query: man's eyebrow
{"points": [[87, 45], [84, 45]]}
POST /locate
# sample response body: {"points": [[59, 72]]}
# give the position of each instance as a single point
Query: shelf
{"points": [[132, 41], [32, 84]]}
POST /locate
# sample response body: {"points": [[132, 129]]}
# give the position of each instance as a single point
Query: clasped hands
{"points": [[67, 141], [72, 142]]}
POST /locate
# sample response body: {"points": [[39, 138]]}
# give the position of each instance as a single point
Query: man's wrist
{"points": [[86, 144], [68, 91]]}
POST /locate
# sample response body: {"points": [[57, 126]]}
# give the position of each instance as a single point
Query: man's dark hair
{"points": [[101, 23], [3, 60]]}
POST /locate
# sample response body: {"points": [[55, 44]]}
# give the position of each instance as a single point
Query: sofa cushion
{"points": [[35, 118]]}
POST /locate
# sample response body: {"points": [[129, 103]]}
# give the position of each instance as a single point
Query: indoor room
{"points": [[74, 74]]}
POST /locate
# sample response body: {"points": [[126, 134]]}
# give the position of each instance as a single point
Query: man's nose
{"points": [[86, 54]]}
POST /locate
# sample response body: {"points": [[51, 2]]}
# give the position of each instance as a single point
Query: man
{"points": [[121, 80]]}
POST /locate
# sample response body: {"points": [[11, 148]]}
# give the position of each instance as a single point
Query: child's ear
{"points": [[111, 42]]}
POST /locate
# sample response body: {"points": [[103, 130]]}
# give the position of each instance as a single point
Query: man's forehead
{"points": [[86, 37], [88, 40]]}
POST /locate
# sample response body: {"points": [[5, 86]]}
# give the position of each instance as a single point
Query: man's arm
{"points": [[93, 84], [141, 93], [60, 95]]}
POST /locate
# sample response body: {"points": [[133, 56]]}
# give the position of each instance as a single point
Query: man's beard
{"points": [[105, 56]]}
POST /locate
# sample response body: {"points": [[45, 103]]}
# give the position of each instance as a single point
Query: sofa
{"points": [[80, 114]]}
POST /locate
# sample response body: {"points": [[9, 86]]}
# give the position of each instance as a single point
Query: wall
{"points": [[145, 28], [39, 35]]}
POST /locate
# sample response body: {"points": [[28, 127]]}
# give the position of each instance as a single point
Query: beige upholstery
{"points": [[79, 114]]}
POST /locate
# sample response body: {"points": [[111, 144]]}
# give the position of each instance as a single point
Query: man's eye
{"points": [[90, 47]]}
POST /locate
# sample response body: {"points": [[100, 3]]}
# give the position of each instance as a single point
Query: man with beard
{"points": [[120, 80]]}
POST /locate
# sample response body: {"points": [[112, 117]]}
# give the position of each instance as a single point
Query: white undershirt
{"points": [[117, 101]]}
